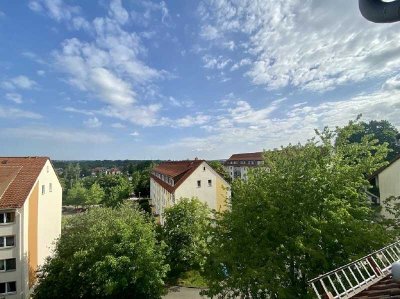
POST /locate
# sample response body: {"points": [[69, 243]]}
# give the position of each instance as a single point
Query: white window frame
{"points": [[5, 265], [7, 287], [50, 187], [4, 216], [5, 242]]}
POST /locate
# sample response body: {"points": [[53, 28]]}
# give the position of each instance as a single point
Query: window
{"points": [[204, 168], [7, 241], [50, 187], [8, 265], [43, 189], [198, 184], [209, 183], [47, 168], [8, 287], [7, 217]]}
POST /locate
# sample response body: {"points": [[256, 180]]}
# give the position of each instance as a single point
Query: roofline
{"points": [[377, 172]]}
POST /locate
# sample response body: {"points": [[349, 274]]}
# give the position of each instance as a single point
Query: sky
{"points": [[132, 79]]}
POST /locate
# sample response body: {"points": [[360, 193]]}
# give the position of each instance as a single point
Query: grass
{"points": [[192, 279]]}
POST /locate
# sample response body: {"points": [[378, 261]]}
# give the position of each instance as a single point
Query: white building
{"points": [[238, 165], [30, 221], [173, 180]]}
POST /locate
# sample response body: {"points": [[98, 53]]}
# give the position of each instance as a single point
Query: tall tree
{"points": [[77, 195], [219, 168], [105, 253], [307, 215], [116, 189], [185, 233], [383, 131]]}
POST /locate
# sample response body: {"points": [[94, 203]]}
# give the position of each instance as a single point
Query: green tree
{"points": [[105, 253], [95, 195], [185, 232], [220, 169], [307, 215], [383, 131], [77, 195], [116, 189]]}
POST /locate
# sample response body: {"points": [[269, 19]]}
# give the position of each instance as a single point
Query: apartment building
{"points": [[30, 221], [238, 165], [170, 181]]}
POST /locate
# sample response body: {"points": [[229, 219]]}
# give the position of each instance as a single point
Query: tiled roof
{"points": [[17, 177], [258, 156], [385, 288], [178, 170]]}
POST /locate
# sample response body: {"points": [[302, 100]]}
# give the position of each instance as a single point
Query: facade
{"points": [[173, 180], [30, 221], [387, 180], [238, 165]]}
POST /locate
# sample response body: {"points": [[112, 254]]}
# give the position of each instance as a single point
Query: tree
{"points": [[219, 168], [307, 215], [383, 131], [95, 195], [185, 232], [116, 189], [105, 253], [77, 195]]}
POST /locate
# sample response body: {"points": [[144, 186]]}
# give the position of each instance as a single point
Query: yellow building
{"points": [[30, 221], [173, 180], [387, 179]]}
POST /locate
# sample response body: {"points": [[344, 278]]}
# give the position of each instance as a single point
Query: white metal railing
{"points": [[353, 278]]}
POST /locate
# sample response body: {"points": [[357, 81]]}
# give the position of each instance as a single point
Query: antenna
{"points": [[378, 11]]}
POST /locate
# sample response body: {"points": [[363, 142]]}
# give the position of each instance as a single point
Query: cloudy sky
{"points": [[178, 79]]}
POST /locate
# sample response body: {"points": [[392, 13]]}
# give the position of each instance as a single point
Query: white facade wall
{"points": [[389, 183]]}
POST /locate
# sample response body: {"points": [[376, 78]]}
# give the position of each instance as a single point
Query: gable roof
{"points": [[258, 156], [375, 173], [17, 178], [178, 170], [385, 288]]}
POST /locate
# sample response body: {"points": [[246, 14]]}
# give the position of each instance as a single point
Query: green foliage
{"points": [[309, 214], [77, 195], [383, 131], [219, 168], [95, 195], [116, 189], [185, 232], [105, 253]]}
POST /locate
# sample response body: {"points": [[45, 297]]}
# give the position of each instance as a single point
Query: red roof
{"points": [[178, 170], [258, 156], [17, 178], [385, 288]]}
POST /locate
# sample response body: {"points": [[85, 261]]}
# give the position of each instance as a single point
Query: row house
{"points": [[238, 165], [170, 181], [30, 221]]}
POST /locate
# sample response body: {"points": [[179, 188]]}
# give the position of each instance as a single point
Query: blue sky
{"points": [[179, 79]]}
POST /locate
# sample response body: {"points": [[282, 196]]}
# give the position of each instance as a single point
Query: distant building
{"points": [[238, 165], [30, 221], [173, 180], [387, 181]]}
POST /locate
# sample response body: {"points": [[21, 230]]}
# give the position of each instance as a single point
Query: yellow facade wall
{"points": [[33, 234]]}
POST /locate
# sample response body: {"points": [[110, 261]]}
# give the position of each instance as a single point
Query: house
{"points": [[238, 165], [387, 181], [170, 181], [30, 221]]}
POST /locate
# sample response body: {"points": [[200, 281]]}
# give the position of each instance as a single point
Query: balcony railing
{"points": [[353, 278]]}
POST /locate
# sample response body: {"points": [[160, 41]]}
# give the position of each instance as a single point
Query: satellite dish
{"points": [[378, 11]]}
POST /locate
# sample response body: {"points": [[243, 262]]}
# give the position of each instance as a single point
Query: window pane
{"points": [[2, 288], [11, 264], [1, 241], [1, 217], [10, 241], [2, 265], [10, 217], [11, 286]]}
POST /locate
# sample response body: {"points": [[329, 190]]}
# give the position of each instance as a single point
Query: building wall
{"points": [[49, 212], [161, 198], [389, 183]]}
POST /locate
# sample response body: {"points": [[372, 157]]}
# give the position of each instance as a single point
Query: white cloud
{"points": [[41, 72], [15, 113], [79, 111], [14, 97], [218, 63], [118, 126], [55, 9], [56, 134], [134, 133], [118, 12], [19, 82], [314, 45], [92, 123], [189, 121], [174, 102]]}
